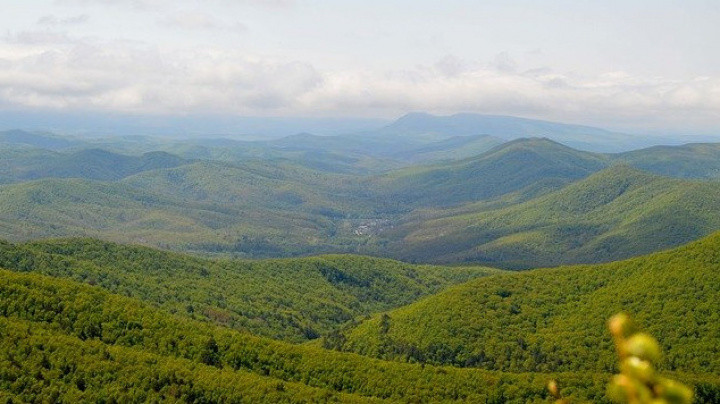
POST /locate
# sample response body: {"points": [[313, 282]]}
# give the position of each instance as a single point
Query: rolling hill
{"points": [[698, 160], [42, 140], [360, 153], [292, 299], [554, 319], [395, 146], [95, 164], [67, 340], [613, 214], [258, 208], [503, 207], [531, 166], [323, 153], [94, 320], [64, 340], [256, 183]]}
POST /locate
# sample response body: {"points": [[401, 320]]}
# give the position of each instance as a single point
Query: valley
{"points": [[356, 268], [316, 202], [512, 206]]}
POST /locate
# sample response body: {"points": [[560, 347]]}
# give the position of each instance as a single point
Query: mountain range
{"points": [[436, 259], [512, 206]]}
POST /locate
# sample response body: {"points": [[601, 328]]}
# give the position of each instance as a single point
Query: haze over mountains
{"points": [[423, 189], [426, 190], [414, 128], [287, 201], [92, 125]]}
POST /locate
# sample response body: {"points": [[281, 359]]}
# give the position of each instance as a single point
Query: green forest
{"points": [[521, 204], [358, 201], [553, 320], [74, 340], [290, 299], [453, 269]]}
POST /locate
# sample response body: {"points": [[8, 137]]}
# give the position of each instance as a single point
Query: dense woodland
{"points": [[218, 270], [71, 341], [289, 299], [551, 320], [118, 336], [65, 339], [616, 213]]}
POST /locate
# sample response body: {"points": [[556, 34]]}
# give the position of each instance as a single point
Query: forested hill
{"points": [[42, 140], [505, 207], [697, 160], [66, 341], [96, 164], [292, 299], [61, 340], [616, 213], [533, 166], [554, 319]]}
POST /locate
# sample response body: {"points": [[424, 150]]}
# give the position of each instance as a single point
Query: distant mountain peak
{"points": [[536, 144], [511, 127]]}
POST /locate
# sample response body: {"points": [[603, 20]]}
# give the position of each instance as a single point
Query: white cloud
{"points": [[138, 4], [198, 20], [135, 78], [609, 98], [52, 20], [163, 4], [52, 70], [191, 20], [38, 37]]}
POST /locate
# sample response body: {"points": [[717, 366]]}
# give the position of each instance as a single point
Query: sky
{"points": [[650, 66]]}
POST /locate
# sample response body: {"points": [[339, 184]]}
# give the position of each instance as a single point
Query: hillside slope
{"points": [[43, 140], [95, 164], [395, 146], [61, 340], [698, 160], [554, 319], [487, 208], [617, 213], [511, 167], [257, 209], [291, 299]]}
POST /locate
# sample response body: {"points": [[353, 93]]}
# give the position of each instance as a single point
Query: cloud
{"points": [[269, 3], [164, 4], [611, 99], [199, 21], [143, 79], [60, 72], [38, 38], [190, 20], [52, 20], [504, 62], [137, 4]]}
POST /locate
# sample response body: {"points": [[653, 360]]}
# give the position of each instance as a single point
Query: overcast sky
{"points": [[644, 65]]}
